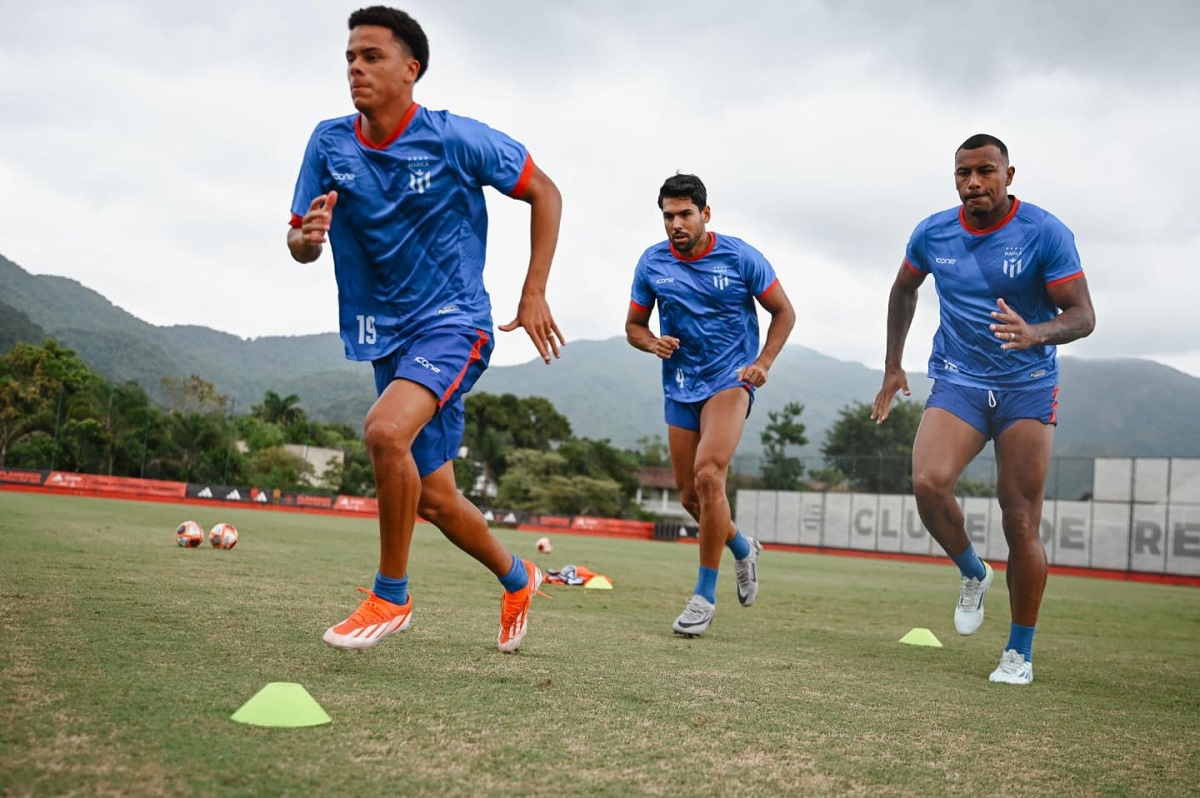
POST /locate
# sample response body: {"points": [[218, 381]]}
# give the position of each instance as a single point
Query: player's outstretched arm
{"points": [[307, 241], [902, 306], [533, 312], [783, 319]]}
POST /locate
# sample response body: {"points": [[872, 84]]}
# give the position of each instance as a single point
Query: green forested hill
{"points": [[607, 389]]}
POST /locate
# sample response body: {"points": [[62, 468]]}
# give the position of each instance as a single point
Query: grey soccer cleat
{"points": [[696, 616], [747, 574]]}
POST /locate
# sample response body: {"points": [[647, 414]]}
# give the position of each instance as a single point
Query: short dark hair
{"points": [[983, 140], [406, 30], [684, 186]]}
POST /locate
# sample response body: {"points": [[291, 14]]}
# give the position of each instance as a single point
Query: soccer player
{"points": [[705, 287], [1011, 288], [398, 191]]}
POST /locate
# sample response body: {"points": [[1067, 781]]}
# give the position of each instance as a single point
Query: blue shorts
{"points": [[447, 361], [687, 414], [991, 411]]}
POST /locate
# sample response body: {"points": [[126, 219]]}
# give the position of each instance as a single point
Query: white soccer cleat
{"points": [[1013, 669], [746, 572], [696, 616], [968, 614]]}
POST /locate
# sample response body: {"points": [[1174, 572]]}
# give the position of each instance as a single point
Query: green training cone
{"points": [[284, 704], [921, 637]]}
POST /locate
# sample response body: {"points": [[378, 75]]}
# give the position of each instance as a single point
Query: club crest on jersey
{"points": [[1014, 264], [420, 175], [720, 279]]}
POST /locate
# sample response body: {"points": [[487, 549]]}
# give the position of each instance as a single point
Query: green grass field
{"points": [[123, 657]]}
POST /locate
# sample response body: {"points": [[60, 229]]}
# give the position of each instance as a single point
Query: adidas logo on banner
{"points": [[511, 518], [234, 495], [205, 494], [261, 498], [488, 516]]}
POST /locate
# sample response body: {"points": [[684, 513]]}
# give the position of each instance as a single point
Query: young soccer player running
{"points": [[705, 286], [1004, 269], [397, 190]]}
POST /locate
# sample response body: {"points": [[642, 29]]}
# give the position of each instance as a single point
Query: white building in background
{"points": [[321, 461]]}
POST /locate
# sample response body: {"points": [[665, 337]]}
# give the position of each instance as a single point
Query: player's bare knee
{"points": [[435, 509], [710, 483], [930, 488], [384, 440], [1021, 529]]}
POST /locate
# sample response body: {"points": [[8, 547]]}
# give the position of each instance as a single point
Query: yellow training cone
{"points": [[598, 583], [282, 704], [921, 637]]}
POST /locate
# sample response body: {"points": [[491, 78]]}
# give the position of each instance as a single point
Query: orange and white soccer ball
{"points": [[189, 534], [223, 536], [543, 545]]}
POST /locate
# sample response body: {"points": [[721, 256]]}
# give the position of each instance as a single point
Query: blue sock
{"points": [[517, 577], [739, 545], [969, 564], [1020, 638], [706, 584], [393, 590]]}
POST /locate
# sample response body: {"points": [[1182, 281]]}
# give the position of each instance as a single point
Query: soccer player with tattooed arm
{"points": [[1011, 289]]}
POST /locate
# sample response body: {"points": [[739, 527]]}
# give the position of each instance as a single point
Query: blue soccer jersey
{"points": [[409, 229], [707, 302], [1016, 259]]}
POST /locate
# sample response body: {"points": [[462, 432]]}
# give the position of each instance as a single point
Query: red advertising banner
{"points": [[124, 486], [356, 504], [613, 526], [563, 521], [20, 477]]}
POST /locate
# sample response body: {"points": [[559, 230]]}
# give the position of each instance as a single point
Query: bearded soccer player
{"points": [[397, 190], [1011, 288], [705, 287]]}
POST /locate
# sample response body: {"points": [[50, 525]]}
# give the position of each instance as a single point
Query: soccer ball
{"points": [[223, 536], [544, 545], [189, 534]]}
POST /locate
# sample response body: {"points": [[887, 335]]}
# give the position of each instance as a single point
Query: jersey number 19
{"points": [[366, 329]]}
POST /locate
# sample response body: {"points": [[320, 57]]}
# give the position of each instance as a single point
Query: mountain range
{"points": [[608, 390]]}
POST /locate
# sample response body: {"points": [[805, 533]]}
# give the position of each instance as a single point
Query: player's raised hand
{"points": [[533, 313], [318, 218], [893, 380], [754, 374], [1010, 328], [665, 346]]}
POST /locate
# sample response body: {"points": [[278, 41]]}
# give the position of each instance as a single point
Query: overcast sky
{"points": [[149, 150]]}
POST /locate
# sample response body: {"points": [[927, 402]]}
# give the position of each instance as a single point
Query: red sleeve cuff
{"points": [[523, 181], [770, 288], [1066, 279]]}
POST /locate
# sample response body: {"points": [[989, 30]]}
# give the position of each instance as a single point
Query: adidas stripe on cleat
{"points": [[375, 619], [514, 610]]}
